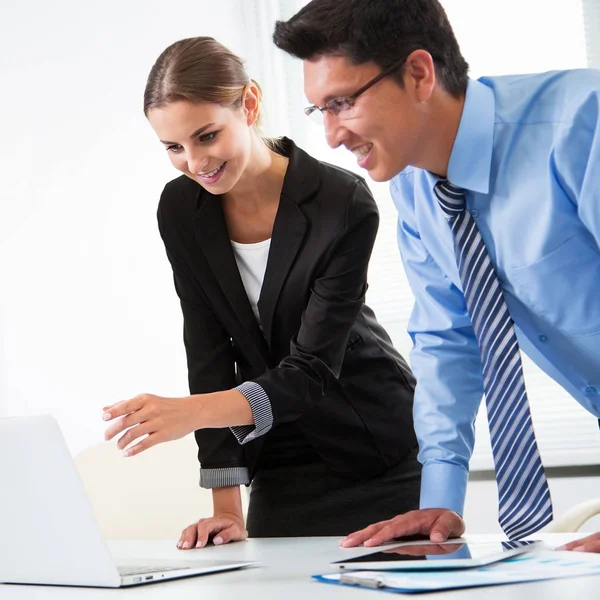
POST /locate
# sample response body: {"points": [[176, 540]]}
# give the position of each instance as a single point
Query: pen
{"points": [[376, 583]]}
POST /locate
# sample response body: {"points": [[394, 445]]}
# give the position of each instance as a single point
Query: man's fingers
{"points": [[390, 532], [437, 523], [359, 537], [419, 550], [590, 543], [448, 525], [410, 523]]}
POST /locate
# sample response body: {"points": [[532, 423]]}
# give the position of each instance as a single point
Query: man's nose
{"points": [[334, 131]]}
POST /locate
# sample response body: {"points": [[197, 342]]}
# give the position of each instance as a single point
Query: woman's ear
{"points": [[251, 103]]}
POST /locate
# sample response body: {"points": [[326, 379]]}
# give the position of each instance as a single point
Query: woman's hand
{"points": [[166, 419], [221, 529], [160, 419]]}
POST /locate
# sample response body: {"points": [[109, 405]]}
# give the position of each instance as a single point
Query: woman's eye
{"points": [[175, 148], [207, 137]]}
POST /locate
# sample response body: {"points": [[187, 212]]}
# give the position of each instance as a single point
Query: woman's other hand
{"points": [[220, 529]]}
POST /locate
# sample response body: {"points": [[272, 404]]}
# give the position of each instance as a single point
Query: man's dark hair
{"points": [[382, 31]]}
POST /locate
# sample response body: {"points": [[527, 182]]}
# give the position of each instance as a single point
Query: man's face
{"points": [[382, 129]]}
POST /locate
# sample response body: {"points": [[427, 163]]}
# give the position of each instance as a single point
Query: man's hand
{"points": [[437, 523], [221, 529], [591, 543]]}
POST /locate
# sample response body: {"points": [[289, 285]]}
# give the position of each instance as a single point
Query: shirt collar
{"points": [[471, 158]]}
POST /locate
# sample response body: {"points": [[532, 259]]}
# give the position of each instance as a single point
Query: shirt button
{"points": [[543, 339], [591, 390], [474, 213]]}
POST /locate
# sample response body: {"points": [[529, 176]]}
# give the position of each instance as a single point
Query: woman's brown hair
{"points": [[198, 70]]}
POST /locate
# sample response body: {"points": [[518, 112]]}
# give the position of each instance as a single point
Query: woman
{"points": [[269, 250]]}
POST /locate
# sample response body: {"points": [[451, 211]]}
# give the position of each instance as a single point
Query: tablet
{"points": [[447, 555]]}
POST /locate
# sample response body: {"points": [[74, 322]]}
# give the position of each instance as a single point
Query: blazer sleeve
{"points": [[211, 368], [337, 296]]}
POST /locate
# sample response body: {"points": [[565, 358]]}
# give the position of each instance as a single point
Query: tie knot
{"points": [[452, 199]]}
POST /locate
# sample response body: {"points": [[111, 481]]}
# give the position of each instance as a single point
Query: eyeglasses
{"points": [[341, 104]]}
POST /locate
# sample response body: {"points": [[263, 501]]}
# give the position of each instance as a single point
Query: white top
{"points": [[251, 260]]}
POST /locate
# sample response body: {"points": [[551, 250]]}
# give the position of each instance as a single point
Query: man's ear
{"points": [[419, 75]]}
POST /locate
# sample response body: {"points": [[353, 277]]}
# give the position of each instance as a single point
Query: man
{"points": [[497, 186]]}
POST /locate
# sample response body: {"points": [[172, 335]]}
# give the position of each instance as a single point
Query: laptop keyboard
{"points": [[141, 569]]}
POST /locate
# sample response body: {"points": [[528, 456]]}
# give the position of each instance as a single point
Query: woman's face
{"points": [[209, 143]]}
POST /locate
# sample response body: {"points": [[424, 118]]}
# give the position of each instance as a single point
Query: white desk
{"points": [[284, 574]]}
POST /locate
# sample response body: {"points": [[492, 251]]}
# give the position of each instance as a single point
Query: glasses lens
{"points": [[338, 105], [314, 114]]}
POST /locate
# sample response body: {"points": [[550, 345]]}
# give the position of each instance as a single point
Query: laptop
{"points": [[48, 531]]}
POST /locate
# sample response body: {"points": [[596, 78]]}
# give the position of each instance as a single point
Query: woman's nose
{"points": [[197, 162]]}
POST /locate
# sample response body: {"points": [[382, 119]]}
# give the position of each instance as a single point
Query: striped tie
{"points": [[524, 498]]}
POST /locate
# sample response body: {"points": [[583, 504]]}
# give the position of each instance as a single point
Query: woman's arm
{"points": [[304, 376], [210, 357]]}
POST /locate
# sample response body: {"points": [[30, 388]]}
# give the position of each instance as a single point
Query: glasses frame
{"points": [[310, 111]]}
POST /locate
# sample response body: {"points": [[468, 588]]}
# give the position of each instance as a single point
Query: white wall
{"points": [[88, 314]]}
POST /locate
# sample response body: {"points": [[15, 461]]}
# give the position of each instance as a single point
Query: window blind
{"points": [[591, 21]]}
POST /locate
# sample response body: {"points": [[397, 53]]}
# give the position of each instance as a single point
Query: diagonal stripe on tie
{"points": [[524, 503]]}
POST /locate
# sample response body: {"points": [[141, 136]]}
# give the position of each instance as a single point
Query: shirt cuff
{"points": [[261, 411], [444, 485], [226, 477]]}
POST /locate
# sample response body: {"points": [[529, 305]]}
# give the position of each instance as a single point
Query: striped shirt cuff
{"points": [[261, 411], [226, 477]]}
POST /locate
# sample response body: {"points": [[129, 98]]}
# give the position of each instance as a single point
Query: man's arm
{"points": [[446, 362]]}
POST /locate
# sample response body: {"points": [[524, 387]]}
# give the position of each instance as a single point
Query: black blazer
{"points": [[322, 357]]}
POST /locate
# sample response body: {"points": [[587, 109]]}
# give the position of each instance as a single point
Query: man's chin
{"points": [[381, 175]]}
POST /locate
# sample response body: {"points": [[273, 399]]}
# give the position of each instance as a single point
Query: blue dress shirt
{"points": [[528, 153]]}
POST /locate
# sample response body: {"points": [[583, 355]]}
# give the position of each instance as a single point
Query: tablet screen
{"points": [[445, 555]]}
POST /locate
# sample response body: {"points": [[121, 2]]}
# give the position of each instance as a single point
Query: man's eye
{"points": [[175, 148], [208, 137], [339, 104]]}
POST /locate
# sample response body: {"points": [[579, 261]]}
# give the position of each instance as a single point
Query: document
{"points": [[527, 567]]}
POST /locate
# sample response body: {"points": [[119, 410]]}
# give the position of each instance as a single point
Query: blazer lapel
{"points": [[288, 233], [213, 237], [302, 180]]}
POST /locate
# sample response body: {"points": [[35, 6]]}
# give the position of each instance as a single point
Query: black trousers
{"points": [[310, 500]]}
